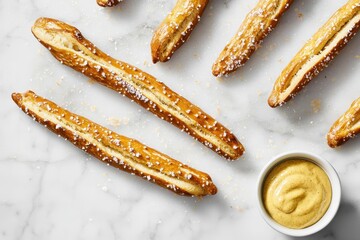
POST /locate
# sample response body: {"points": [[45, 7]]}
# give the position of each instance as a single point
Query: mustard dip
{"points": [[296, 193]]}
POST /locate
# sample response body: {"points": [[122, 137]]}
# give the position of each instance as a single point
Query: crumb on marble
{"points": [[91, 81], [59, 81], [93, 108], [271, 46], [218, 110], [300, 15], [115, 122], [315, 105]]}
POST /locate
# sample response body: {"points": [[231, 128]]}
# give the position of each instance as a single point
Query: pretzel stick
{"points": [[68, 45], [346, 127], [118, 151], [256, 26], [176, 28], [317, 53]]}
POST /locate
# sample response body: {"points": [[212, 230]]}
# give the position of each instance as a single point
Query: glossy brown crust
{"points": [[107, 3], [317, 53], [68, 45], [176, 28], [346, 127], [256, 26], [121, 152]]}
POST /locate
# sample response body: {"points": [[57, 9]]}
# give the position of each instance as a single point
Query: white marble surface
{"points": [[51, 190]]}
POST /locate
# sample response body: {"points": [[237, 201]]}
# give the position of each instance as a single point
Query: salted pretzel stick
{"points": [[317, 53], [346, 127], [69, 46], [256, 26], [176, 28], [121, 152], [107, 3]]}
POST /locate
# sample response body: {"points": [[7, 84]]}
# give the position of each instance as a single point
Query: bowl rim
{"points": [[335, 198]]}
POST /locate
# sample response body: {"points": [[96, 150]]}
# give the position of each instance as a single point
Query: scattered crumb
{"points": [[112, 40], [299, 14], [91, 81], [315, 104], [125, 121], [114, 122], [265, 57], [272, 46], [218, 110], [238, 208], [258, 156], [257, 45], [59, 81], [196, 56], [93, 108]]}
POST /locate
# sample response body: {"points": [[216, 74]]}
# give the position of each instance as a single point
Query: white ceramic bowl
{"points": [[335, 200]]}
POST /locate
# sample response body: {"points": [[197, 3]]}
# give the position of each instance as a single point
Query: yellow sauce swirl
{"points": [[297, 193]]}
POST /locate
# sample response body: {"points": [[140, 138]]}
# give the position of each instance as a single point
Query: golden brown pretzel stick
{"points": [[322, 47], [107, 3], [346, 127], [176, 28], [256, 26], [121, 152], [68, 45]]}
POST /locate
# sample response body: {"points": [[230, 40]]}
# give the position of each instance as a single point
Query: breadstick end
{"points": [[156, 54], [42, 24], [56, 35], [216, 70], [107, 3], [155, 58], [332, 142], [16, 97], [223, 66], [212, 190], [240, 150], [273, 101]]}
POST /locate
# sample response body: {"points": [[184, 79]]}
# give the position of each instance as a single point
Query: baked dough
{"points": [[256, 26], [108, 3], [118, 151], [346, 127], [322, 47], [176, 28], [69, 46]]}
